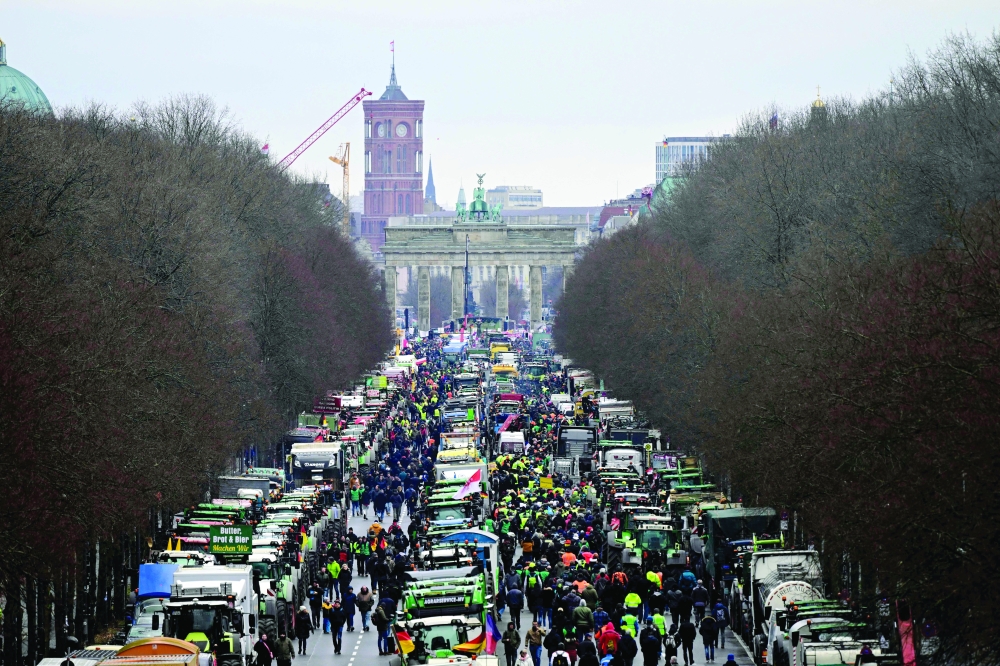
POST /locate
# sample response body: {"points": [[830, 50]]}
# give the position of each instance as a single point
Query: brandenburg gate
{"points": [[490, 241]]}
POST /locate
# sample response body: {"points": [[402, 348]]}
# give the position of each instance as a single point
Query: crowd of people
{"points": [[553, 547]]}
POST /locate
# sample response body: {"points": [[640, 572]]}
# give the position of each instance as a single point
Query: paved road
{"points": [[361, 648]]}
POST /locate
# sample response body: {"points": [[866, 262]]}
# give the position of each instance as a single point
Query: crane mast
{"points": [[322, 129], [343, 158]]}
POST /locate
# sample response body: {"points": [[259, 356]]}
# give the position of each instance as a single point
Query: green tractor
{"points": [[213, 626], [278, 594]]}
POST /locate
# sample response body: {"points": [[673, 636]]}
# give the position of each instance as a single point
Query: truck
{"points": [[215, 608], [512, 442], [230, 486], [727, 534], [620, 455], [563, 402], [574, 448], [458, 447], [443, 611], [318, 463], [773, 580]]}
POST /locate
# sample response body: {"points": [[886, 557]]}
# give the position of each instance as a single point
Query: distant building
{"points": [[817, 113], [460, 202], [582, 219], [514, 197], [394, 143], [18, 88], [430, 194], [677, 153]]}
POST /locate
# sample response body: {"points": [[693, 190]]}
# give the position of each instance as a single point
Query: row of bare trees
{"points": [[816, 311], [167, 299]]}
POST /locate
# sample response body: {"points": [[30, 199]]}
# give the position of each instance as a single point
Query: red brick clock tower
{"points": [[394, 156]]}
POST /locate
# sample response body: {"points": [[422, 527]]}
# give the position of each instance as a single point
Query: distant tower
{"points": [[430, 196], [394, 160], [460, 204], [817, 113]]}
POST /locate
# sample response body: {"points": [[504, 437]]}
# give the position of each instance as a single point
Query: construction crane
{"points": [[343, 158], [314, 137]]}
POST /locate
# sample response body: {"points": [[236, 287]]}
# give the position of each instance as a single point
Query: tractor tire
{"points": [[268, 624], [230, 659], [284, 620]]}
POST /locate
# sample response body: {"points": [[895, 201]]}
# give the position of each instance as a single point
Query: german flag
{"points": [[475, 646], [404, 640]]}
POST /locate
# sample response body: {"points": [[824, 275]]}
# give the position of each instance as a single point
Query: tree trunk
{"points": [[31, 609], [12, 623], [60, 610], [45, 603], [103, 560], [91, 592], [79, 596]]}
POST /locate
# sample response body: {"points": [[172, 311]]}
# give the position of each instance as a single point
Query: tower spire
{"points": [[392, 76], [393, 91], [430, 194]]}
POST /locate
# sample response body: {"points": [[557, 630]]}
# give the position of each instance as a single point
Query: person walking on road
{"points": [[699, 598], [365, 601], [684, 606], [511, 642], [587, 652], [721, 614], [709, 633], [349, 603], [396, 500], [670, 650], [515, 601], [284, 650], [263, 651], [337, 620], [344, 580], [333, 567], [315, 594], [687, 633], [533, 641], [303, 627], [650, 644], [627, 649], [356, 501]]}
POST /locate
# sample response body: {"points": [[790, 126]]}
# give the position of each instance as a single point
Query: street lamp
{"points": [[465, 308]]}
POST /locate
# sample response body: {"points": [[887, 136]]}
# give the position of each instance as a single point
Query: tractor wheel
{"points": [[284, 620], [230, 660], [268, 624]]}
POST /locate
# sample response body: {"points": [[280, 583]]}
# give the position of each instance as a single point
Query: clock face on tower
{"points": [[381, 130], [401, 130]]}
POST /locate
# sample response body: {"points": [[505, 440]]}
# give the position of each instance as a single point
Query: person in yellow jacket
{"points": [[333, 567]]}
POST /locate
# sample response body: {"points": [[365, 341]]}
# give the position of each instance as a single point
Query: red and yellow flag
{"points": [[405, 642], [475, 646]]}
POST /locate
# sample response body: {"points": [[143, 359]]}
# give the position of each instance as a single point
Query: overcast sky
{"points": [[570, 97]]}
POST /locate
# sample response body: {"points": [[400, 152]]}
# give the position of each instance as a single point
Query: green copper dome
{"points": [[16, 87]]}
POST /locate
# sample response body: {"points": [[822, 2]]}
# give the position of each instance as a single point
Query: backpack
{"points": [[560, 660]]}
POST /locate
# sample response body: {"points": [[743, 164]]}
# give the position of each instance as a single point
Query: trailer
{"points": [[230, 486]]}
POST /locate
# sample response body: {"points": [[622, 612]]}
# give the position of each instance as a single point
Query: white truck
{"points": [[563, 402], [774, 579], [512, 442], [317, 463], [214, 607]]}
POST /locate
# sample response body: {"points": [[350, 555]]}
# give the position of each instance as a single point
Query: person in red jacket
{"points": [[607, 639]]}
